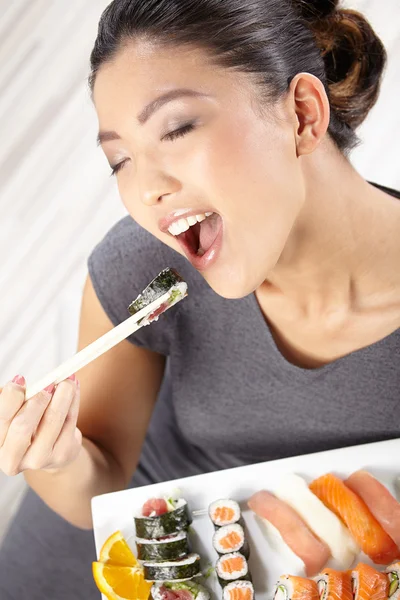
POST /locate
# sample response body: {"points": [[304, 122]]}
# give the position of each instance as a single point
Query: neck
{"points": [[343, 247]]}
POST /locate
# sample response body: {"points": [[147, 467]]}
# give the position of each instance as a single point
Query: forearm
{"points": [[69, 491]]}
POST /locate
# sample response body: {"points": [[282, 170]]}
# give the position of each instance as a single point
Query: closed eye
{"points": [[173, 135], [181, 132], [116, 168]]}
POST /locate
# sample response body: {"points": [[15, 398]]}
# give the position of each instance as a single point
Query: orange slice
{"points": [[116, 551], [121, 583]]}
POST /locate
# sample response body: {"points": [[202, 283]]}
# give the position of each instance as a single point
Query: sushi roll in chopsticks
{"points": [[393, 573], [168, 548], [231, 538], [367, 582], [334, 585], [224, 512], [184, 590], [289, 587], [238, 590], [231, 567], [179, 570], [160, 518], [167, 282]]}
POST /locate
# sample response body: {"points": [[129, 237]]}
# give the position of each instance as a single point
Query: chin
{"points": [[232, 284]]}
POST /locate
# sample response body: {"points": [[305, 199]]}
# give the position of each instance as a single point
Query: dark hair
{"points": [[273, 39]]}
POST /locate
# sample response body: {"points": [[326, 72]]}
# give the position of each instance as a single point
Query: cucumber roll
{"points": [[231, 567], [161, 518], [231, 538], [238, 590], [393, 572], [178, 570], [224, 512], [168, 548], [185, 590]]}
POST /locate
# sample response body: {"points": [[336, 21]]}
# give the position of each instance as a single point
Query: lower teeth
{"points": [[200, 252]]}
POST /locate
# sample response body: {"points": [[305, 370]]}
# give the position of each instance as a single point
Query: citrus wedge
{"points": [[116, 551], [121, 582]]}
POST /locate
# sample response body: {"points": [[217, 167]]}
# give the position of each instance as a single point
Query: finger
{"points": [[69, 441], [51, 424], [11, 400], [22, 428]]}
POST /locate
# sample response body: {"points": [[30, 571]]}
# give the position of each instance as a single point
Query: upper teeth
{"points": [[183, 224]]}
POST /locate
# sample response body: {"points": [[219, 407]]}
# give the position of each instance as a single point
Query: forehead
{"points": [[143, 69]]}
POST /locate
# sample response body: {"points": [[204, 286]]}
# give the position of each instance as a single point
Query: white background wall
{"points": [[56, 197]]}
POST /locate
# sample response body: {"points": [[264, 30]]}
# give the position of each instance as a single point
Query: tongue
{"points": [[208, 232]]}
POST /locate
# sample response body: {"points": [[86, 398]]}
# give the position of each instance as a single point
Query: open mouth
{"points": [[200, 239]]}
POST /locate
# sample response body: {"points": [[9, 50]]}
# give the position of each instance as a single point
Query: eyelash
{"points": [[181, 132]]}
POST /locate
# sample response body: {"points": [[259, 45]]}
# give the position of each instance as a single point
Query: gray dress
{"points": [[229, 398]]}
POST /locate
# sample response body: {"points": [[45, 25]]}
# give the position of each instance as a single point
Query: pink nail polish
{"points": [[72, 377], [19, 380], [50, 388]]}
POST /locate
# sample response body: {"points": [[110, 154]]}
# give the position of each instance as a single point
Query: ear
{"points": [[310, 103]]}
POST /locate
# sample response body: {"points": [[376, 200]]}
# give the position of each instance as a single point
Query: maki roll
{"points": [[161, 518], [231, 567], [393, 573], [289, 587], [238, 590], [178, 570], [169, 548], [167, 282], [367, 582], [184, 590], [334, 584], [224, 512], [231, 538]]}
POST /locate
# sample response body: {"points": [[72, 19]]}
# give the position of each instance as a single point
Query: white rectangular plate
{"points": [[269, 558]]}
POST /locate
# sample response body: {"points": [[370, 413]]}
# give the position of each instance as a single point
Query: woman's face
{"points": [[209, 150]]}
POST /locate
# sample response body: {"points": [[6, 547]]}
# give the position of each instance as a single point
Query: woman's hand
{"points": [[41, 433]]}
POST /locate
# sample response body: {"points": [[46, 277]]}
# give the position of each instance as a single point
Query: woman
{"points": [[227, 125]]}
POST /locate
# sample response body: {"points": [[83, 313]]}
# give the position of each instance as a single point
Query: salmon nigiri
{"points": [[369, 584], [334, 585], [379, 500], [295, 588], [314, 553], [367, 532]]}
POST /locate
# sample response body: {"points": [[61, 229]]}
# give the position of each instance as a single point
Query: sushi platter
{"points": [[286, 529]]}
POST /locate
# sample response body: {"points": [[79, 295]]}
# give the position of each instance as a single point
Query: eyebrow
{"points": [[150, 109]]}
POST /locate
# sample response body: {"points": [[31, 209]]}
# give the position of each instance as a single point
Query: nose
{"points": [[155, 184]]}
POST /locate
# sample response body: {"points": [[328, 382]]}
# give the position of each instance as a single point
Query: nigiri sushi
{"points": [[323, 522], [370, 536], [393, 573], [379, 500], [334, 585], [289, 587], [294, 531], [369, 584]]}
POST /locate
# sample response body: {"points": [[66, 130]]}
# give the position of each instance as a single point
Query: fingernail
{"points": [[50, 388], [19, 380], [72, 377]]}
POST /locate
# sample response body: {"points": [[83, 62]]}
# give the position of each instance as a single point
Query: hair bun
{"points": [[354, 59], [316, 9]]}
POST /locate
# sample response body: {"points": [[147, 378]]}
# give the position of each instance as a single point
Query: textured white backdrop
{"points": [[56, 198]]}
